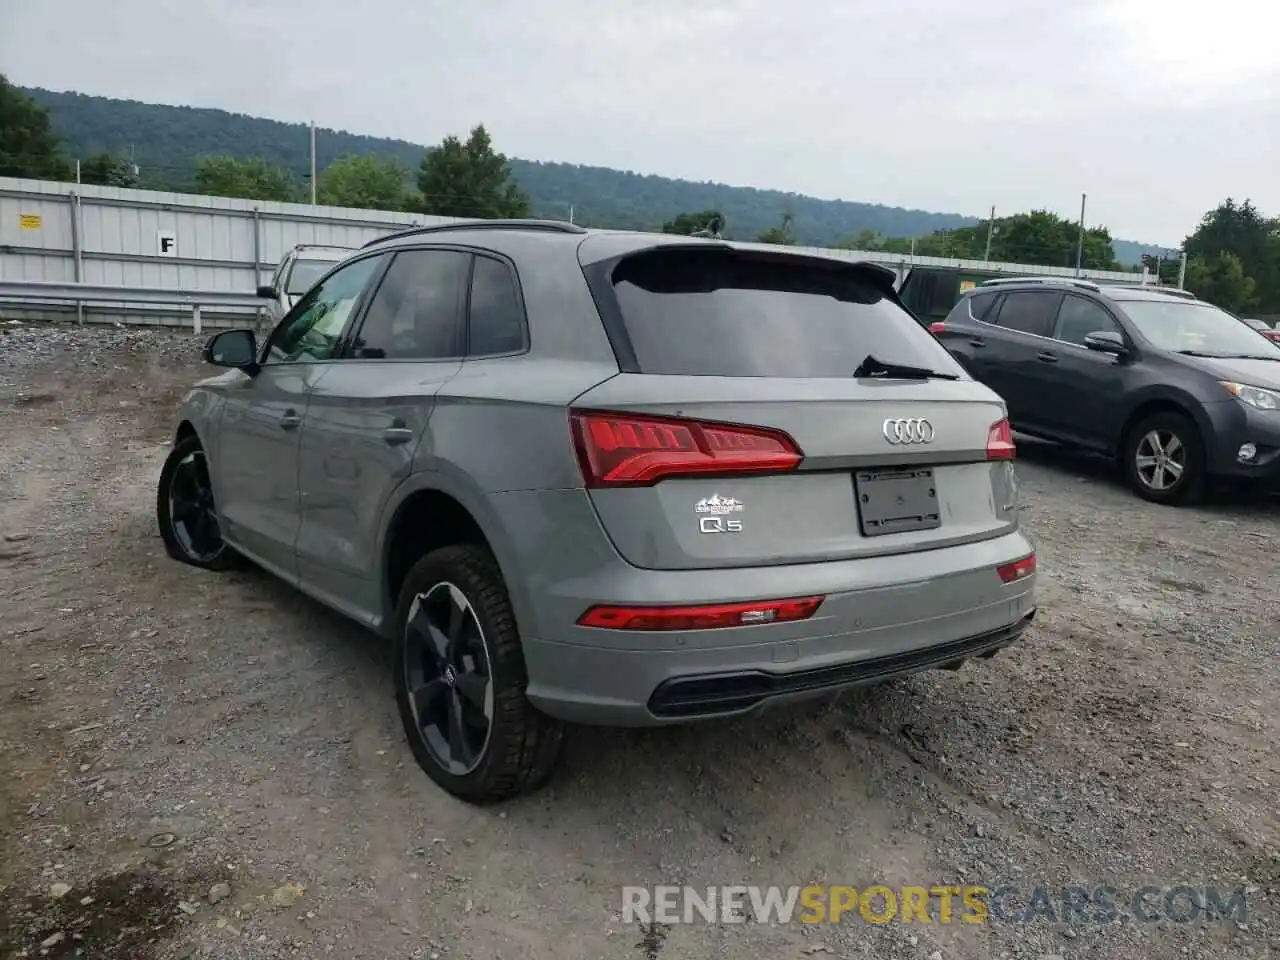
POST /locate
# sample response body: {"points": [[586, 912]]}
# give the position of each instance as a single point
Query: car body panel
{"points": [[366, 421]]}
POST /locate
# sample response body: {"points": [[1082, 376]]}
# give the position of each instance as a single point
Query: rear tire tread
{"points": [[530, 748]]}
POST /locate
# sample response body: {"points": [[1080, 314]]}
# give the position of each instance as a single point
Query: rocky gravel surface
{"points": [[210, 765]]}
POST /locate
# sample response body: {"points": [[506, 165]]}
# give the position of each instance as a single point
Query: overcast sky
{"points": [[1156, 110]]}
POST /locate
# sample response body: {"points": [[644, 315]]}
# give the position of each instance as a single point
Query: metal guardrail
{"points": [[78, 293]]}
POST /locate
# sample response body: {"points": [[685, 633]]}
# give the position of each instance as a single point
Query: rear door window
{"points": [[719, 313], [416, 313], [980, 305], [1029, 311]]}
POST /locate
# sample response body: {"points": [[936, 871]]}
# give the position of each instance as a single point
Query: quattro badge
{"points": [[715, 514]]}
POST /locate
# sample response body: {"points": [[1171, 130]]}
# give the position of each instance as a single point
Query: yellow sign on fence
{"points": [[30, 221], [967, 285]]}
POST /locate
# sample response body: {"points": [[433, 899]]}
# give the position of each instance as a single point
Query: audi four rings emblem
{"points": [[908, 430]]}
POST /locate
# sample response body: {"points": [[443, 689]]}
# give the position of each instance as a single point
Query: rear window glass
{"points": [[725, 314]]}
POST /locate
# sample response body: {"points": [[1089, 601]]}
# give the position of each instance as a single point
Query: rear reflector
{"points": [[938, 327], [1000, 441], [617, 450], [710, 617], [1018, 570]]}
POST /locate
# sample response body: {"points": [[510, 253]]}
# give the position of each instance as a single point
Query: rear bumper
{"points": [[881, 618], [1235, 424], [727, 693]]}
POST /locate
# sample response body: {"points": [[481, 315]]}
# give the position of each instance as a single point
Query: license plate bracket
{"points": [[896, 501]]}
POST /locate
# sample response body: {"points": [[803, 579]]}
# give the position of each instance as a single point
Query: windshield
{"points": [[304, 274], [1196, 327]]}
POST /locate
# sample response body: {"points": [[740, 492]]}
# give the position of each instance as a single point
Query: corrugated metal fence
{"points": [[109, 235], [73, 233]]}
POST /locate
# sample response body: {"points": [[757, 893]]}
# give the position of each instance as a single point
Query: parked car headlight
{"points": [[1255, 397]]}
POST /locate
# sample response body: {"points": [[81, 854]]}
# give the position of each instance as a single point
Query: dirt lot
{"points": [[165, 731]]}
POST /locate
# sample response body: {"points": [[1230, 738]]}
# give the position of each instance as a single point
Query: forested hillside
{"points": [[165, 142]]}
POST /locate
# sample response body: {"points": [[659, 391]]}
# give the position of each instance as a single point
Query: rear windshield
{"points": [[721, 313]]}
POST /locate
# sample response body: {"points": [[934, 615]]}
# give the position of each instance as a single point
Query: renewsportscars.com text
{"points": [[941, 904]]}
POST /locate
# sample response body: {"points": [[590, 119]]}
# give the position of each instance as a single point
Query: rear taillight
{"points": [[618, 450], [711, 617], [1000, 441], [938, 327], [1018, 570]]}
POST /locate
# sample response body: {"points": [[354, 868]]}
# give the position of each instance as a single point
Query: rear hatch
{"points": [[739, 435]]}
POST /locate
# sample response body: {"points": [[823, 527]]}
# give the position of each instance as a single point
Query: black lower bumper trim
{"points": [[720, 693]]}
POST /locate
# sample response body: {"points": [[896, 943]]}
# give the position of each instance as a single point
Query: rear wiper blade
{"points": [[873, 367]]}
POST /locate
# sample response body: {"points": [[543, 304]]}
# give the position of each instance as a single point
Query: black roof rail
{"points": [[550, 226]]}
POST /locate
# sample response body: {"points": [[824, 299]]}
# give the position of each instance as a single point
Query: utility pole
{"points": [[77, 173], [1080, 238], [1182, 271], [571, 213], [313, 163], [991, 229]]}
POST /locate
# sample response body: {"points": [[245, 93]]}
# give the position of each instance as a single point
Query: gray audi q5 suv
{"points": [[606, 477]]}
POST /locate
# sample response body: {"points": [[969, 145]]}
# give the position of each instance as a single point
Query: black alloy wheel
{"points": [[448, 678], [461, 680], [185, 509]]}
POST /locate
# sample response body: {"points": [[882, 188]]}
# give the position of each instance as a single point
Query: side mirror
{"points": [[233, 348], [1106, 341], [267, 292]]}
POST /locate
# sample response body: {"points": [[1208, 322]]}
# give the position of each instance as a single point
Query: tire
{"points": [[193, 540], [476, 680], [1189, 487]]}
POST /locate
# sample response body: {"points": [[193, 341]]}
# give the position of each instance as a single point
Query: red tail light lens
{"points": [[1018, 570], [1000, 441], [711, 617], [618, 450], [938, 327]]}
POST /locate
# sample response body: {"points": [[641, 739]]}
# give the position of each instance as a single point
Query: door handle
{"points": [[977, 342], [397, 435], [290, 420], [1047, 357]]}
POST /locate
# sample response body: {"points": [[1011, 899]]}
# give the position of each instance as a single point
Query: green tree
{"points": [[28, 147], [470, 179], [689, 223], [781, 234], [251, 179], [1220, 279], [364, 181], [1239, 229], [108, 170]]}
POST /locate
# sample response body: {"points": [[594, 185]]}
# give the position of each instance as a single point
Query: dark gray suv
{"points": [[1174, 388], [607, 477]]}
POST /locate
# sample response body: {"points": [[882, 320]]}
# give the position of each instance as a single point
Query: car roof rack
{"points": [[1167, 291], [550, 226], [1070, 281]]}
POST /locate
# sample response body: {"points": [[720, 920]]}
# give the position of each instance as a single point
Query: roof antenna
{"points": [[712, 229]]}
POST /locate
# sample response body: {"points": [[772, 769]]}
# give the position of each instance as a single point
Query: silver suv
{"points": [[298, 269], [605, 477]]}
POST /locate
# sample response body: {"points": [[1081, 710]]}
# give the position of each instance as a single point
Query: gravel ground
{"points": [[196, 764]]}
